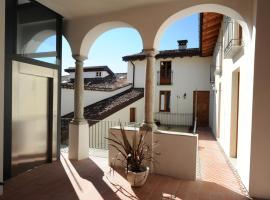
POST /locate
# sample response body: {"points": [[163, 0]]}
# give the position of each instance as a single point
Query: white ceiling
{"points": [[78, 8]]}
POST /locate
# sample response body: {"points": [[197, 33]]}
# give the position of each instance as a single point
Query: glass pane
{"points": [[36, 32], [162, 102], [168, 101]]}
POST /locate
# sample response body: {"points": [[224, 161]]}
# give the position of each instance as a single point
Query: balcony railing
{"points": [[176, 119], [165, 78], [232, 38], [98, 131]]}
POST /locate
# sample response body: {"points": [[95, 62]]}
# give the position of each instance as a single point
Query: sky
{"points": [[111, 46]]}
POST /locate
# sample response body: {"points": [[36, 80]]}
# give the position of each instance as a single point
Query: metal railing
{"points": [[98, 131], [232, 43], [232, 35], [167, 79], [177, 119]]}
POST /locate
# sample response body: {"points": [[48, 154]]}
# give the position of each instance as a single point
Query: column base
{"points": [[78, 141], [148, 127]]}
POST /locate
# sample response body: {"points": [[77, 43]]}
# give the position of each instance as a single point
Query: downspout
{"points": [[133, 78], [200, 32]]}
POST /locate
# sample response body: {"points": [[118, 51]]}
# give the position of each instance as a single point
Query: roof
{"points": [[92, 69], [210, 26], [107, 83], [166, 54], [106, 107]]}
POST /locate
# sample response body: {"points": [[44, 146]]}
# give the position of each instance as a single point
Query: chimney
{"points": [[182, 44]]}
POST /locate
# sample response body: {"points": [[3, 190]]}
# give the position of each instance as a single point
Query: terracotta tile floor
{"points": [[92, 179]]}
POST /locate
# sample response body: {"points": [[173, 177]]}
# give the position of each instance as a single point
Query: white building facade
{"points": [[178, 75], [231, 95]]}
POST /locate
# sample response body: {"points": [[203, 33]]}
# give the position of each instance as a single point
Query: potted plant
{"points": [[136, 154]]}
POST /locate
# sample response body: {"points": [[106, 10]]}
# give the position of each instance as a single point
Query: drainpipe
{"points": [[133, 78]]}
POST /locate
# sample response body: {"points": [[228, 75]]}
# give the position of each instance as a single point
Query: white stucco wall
{"points": [[166, 163], [189, 74], [260, 142], [91, 74], [123, 115], [139, 78], [2, 66], [100, 130], [90, 97], [240, 62]]}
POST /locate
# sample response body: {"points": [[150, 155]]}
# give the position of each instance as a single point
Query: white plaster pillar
{"points": [[78, 127], [149, 90], [259, 183]]}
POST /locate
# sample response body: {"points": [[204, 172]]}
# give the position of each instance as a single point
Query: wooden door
{"points": [[132, 117], [201, 109]]}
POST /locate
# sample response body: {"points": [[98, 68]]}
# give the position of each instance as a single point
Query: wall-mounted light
{"points": [[185, 95]]}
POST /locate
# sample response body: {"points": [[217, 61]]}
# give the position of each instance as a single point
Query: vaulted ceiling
{"points": [[211, 23], [78, 8]]}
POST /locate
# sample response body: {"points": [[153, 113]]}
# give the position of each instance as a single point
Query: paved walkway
{"points": [[92, 179], [214, 165]]}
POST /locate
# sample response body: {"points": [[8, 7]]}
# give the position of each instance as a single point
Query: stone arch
{"points": [[95, 32], [217, 8], [35, 41]]}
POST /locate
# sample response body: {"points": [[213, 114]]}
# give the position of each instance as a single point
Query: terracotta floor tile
{"points": [[91, 179]]}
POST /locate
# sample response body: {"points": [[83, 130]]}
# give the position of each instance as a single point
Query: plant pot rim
{"points": [[146, 170]]}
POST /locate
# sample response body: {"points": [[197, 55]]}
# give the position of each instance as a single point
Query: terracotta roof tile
{"points": [[165, 54]]}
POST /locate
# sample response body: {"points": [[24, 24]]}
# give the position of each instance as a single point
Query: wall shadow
{"points": [[87, 169], [46, 182]]}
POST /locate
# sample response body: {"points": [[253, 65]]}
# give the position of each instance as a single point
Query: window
{"points": [[165, 72], [164, 101], [38, 32], [132, 113], [98, 74]]}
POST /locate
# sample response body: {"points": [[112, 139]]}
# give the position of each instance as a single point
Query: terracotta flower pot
{"points": [[137, 179]]}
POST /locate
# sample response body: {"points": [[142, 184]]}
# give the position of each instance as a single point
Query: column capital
{"points": [[150, 52], [79, 58]]}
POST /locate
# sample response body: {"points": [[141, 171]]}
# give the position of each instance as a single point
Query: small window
{"points": [[98, 74], [164, 101], [132, 113]]}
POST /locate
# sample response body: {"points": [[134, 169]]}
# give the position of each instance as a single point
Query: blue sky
{"points": [[111, 46]]}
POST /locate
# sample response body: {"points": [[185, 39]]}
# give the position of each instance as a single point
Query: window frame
{"points": [[165, 75], [167, 100]]}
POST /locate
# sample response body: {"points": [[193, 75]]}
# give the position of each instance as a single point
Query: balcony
{"points": [[233, 42], [233, 47], [165, 78]]}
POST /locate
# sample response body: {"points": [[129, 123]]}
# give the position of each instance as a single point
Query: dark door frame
{"points": [[10, 55]]}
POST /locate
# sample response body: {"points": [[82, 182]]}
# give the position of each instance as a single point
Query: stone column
{"points": [[149, 90], [78, 90], [78, 127]]}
